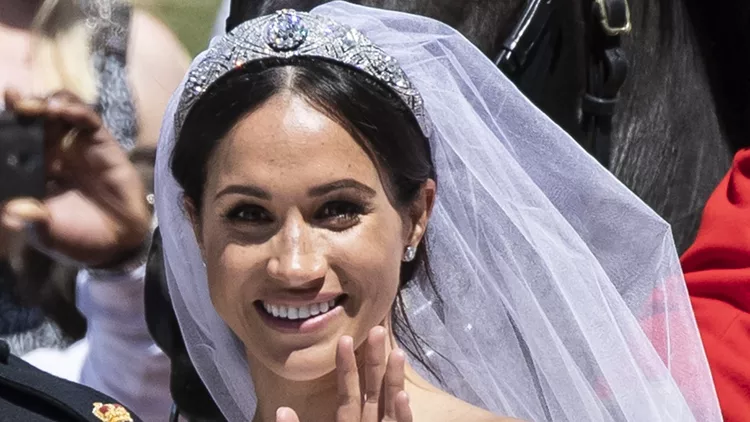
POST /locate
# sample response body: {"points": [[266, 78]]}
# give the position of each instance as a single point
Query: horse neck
{"points": [[669, 147]]}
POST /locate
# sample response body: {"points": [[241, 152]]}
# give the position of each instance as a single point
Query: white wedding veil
{"points": [[562, 294]]}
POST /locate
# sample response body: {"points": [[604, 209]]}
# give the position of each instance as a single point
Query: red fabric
{"points": [[717, 271]]}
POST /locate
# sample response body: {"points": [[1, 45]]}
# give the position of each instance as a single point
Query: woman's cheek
{"points": [[367, 263], [230, 281]]}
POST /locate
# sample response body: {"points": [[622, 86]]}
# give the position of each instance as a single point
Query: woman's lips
{"points": [[300, 319]]}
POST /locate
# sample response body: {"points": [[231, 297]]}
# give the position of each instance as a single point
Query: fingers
{"points": [[15, 216], [350, 405], [374, 370], [17, 103], [18, 213], [285, 414], [394, 383], [403, 411], [62, 106], [11, 96], [73, 112]]}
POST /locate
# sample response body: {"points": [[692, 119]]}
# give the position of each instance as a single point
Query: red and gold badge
{"points": [[111, 413]]}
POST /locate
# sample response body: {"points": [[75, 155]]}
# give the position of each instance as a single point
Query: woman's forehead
{"points": [[287, 137]]}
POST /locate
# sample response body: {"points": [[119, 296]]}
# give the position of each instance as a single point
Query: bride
{"points": [[363, 220]]}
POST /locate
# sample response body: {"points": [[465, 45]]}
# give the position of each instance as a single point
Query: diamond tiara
{"points": [[287, 34]]}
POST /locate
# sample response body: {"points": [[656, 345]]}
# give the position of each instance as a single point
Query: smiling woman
{"points": [[296, 180], [313, 206], [298, 203]]}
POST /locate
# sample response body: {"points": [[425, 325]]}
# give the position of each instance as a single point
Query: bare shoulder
{"points": [[157, 62], [479, 415], [152, 42], [494, 418], [442, 407], [462, 411]]}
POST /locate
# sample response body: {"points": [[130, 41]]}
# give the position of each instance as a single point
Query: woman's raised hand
{"points": [[95, 210], [384, 397]]}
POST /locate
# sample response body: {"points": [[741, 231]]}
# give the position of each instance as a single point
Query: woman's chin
{"points": [[306, 369], [303, 365]]}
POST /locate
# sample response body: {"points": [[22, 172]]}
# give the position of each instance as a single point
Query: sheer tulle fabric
{"points": [[562, 294]]}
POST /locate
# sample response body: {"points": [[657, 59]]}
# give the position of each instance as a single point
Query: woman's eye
{"points": [[340, 213], [250, 214]]}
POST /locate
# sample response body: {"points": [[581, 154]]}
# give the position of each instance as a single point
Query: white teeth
{"points": [[293, 312], [302, 312]]}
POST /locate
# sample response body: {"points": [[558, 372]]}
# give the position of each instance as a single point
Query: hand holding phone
{"points": [[92, 207]]}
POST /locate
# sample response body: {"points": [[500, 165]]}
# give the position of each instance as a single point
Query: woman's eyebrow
{"points": [[248, 190], [341, 184]]}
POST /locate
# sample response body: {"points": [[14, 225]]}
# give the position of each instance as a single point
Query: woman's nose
{"points": [[295, 260]]}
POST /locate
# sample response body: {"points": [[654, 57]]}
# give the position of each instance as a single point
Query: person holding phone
{"points": [[123, 64]]}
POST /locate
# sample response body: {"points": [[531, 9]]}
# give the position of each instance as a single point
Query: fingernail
{"points": [[405, 396], [29, 105], [21, 208], [282, 412], [13, 222]]}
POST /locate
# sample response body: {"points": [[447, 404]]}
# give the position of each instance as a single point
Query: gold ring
{"points": [[69, 139]]}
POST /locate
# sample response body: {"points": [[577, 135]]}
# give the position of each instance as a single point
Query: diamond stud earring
{"points": [[411, 252]]}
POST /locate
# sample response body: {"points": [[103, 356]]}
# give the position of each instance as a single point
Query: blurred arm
{"points": [[157, 62], [123, 361]]}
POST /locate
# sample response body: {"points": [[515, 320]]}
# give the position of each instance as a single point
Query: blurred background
{"points": [[191, 20]]}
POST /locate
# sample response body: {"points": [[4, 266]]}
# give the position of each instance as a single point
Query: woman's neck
{"points": [[312, 400], [18, 13]]}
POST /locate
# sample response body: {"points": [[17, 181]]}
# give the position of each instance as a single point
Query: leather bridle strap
{"points": [[529, 47], [606, 69], [526, 41]]}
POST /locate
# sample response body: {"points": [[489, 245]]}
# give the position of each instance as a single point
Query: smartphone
{"points": [[22, 170]]}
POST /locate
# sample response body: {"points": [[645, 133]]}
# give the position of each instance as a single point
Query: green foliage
{"points": [[191, 20]]}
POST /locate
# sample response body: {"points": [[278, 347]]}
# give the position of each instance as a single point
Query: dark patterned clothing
{"points": [[115, 97]]}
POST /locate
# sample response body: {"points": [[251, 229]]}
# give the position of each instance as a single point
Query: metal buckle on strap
{"points": [[609, 29]]}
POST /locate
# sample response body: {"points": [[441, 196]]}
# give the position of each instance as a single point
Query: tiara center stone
{"points": [[286, 31]]}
